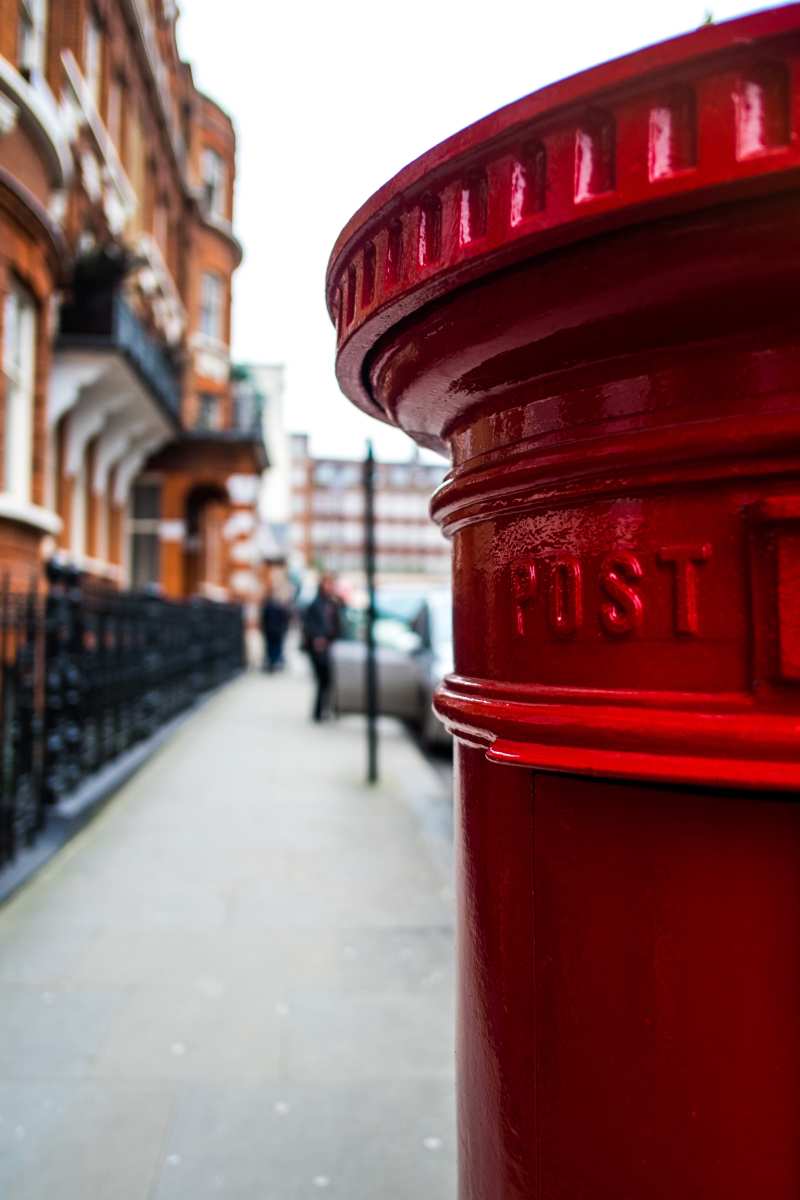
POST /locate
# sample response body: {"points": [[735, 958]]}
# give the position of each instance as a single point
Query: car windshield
{"points": [[394, 608], [396, 618], [402, 605]]}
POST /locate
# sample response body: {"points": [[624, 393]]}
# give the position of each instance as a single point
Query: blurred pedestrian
{"points": [[322, 625], [275, 616]]}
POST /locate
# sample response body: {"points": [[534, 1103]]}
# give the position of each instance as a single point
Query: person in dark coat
{"points": [[322, 625], [275, 617]]}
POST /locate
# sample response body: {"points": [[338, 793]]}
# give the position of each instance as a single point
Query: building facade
{"points": [[122, 447], [260, 387], [327, 515]]}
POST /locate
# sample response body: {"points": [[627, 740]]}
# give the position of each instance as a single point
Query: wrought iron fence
{"points": [[85, 674]]}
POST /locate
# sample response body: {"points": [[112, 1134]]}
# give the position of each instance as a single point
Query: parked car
{"points": [[413, 653]]}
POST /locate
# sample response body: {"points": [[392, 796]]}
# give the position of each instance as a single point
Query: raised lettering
{"points": [[524, 586], [566, 601], [684, 561], [625, 612]]}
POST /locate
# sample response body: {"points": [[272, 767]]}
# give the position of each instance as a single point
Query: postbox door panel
{"points": [[667, 991], [638, 947], [667, 926]]}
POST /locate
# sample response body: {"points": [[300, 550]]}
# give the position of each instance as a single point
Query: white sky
{"points": [[330, 98]]}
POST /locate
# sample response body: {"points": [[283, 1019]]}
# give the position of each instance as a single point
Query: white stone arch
{"points": [[85, 421], [119, 433], [68, 378], [132, 462]]}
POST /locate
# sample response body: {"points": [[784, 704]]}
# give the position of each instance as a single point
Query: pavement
{"points": [[237, 980]]}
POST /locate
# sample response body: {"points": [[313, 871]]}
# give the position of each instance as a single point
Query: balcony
{"points": [[244, 427], [103, 320], [248, 412]]}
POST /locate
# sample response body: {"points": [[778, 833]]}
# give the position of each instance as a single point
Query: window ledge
{"points": [[43, 519]]}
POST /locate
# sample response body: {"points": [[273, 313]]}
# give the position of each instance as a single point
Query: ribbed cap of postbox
{"points": [[700, 120]]}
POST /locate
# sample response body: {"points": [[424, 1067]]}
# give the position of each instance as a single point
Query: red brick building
{"points": [[327, 515], [120, 443]]}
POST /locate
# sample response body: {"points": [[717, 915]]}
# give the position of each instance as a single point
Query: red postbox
{"points": [[589, 300]]}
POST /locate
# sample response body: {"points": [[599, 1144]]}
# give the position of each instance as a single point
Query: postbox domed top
{"points": [[701, 120]]}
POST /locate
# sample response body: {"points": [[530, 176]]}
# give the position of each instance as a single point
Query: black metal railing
{"points": [[245, 422], [248, 412], [146, 355], [85, 674], [21, 723], [101, 318]]}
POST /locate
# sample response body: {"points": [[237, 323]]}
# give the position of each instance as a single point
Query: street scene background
{"points": [[226, 931]]}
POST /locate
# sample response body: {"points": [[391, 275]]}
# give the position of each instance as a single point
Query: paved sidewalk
{"points": [[237, 981]]}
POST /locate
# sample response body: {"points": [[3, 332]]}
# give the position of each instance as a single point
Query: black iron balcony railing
{"points": [[87, 673], [245, 426], [104, 320], [248, 413], [246, 418]]}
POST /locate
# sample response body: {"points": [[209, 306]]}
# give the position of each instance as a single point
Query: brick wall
{"points": [[143, 125]]}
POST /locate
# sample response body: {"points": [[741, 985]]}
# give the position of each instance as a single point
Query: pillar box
{"points": [[590, 301]]}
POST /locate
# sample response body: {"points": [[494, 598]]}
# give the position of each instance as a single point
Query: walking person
{"points": [[322, 625], [275, 616]]}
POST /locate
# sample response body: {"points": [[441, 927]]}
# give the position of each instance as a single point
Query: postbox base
{"points": [[630, 987]]}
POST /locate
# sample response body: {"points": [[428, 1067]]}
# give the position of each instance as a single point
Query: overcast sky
{"points": [[330, 99]]}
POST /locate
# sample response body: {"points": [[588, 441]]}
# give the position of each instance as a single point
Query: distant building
{"points": [[327, 520], [121, 447], [260, 387]]}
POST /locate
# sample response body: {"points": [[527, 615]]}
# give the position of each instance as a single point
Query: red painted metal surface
{"points": [[589, 301]]}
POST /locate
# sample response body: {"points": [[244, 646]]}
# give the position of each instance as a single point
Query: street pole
{"points": [[371, 666]]}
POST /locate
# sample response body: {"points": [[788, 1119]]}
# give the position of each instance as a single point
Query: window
{"points": [[134, 161], [146, 501], [349, 475], [144, 529], [32, 35], [321, 502], [208, 411], [19, 368], [213, 182], [353, 503], [161, 223], [325, 474], [93, 56], [116, 88], [211, 296]]}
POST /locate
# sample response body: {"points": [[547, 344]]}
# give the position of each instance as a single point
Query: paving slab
{"points": [[360, 1140], [238, 979]]}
